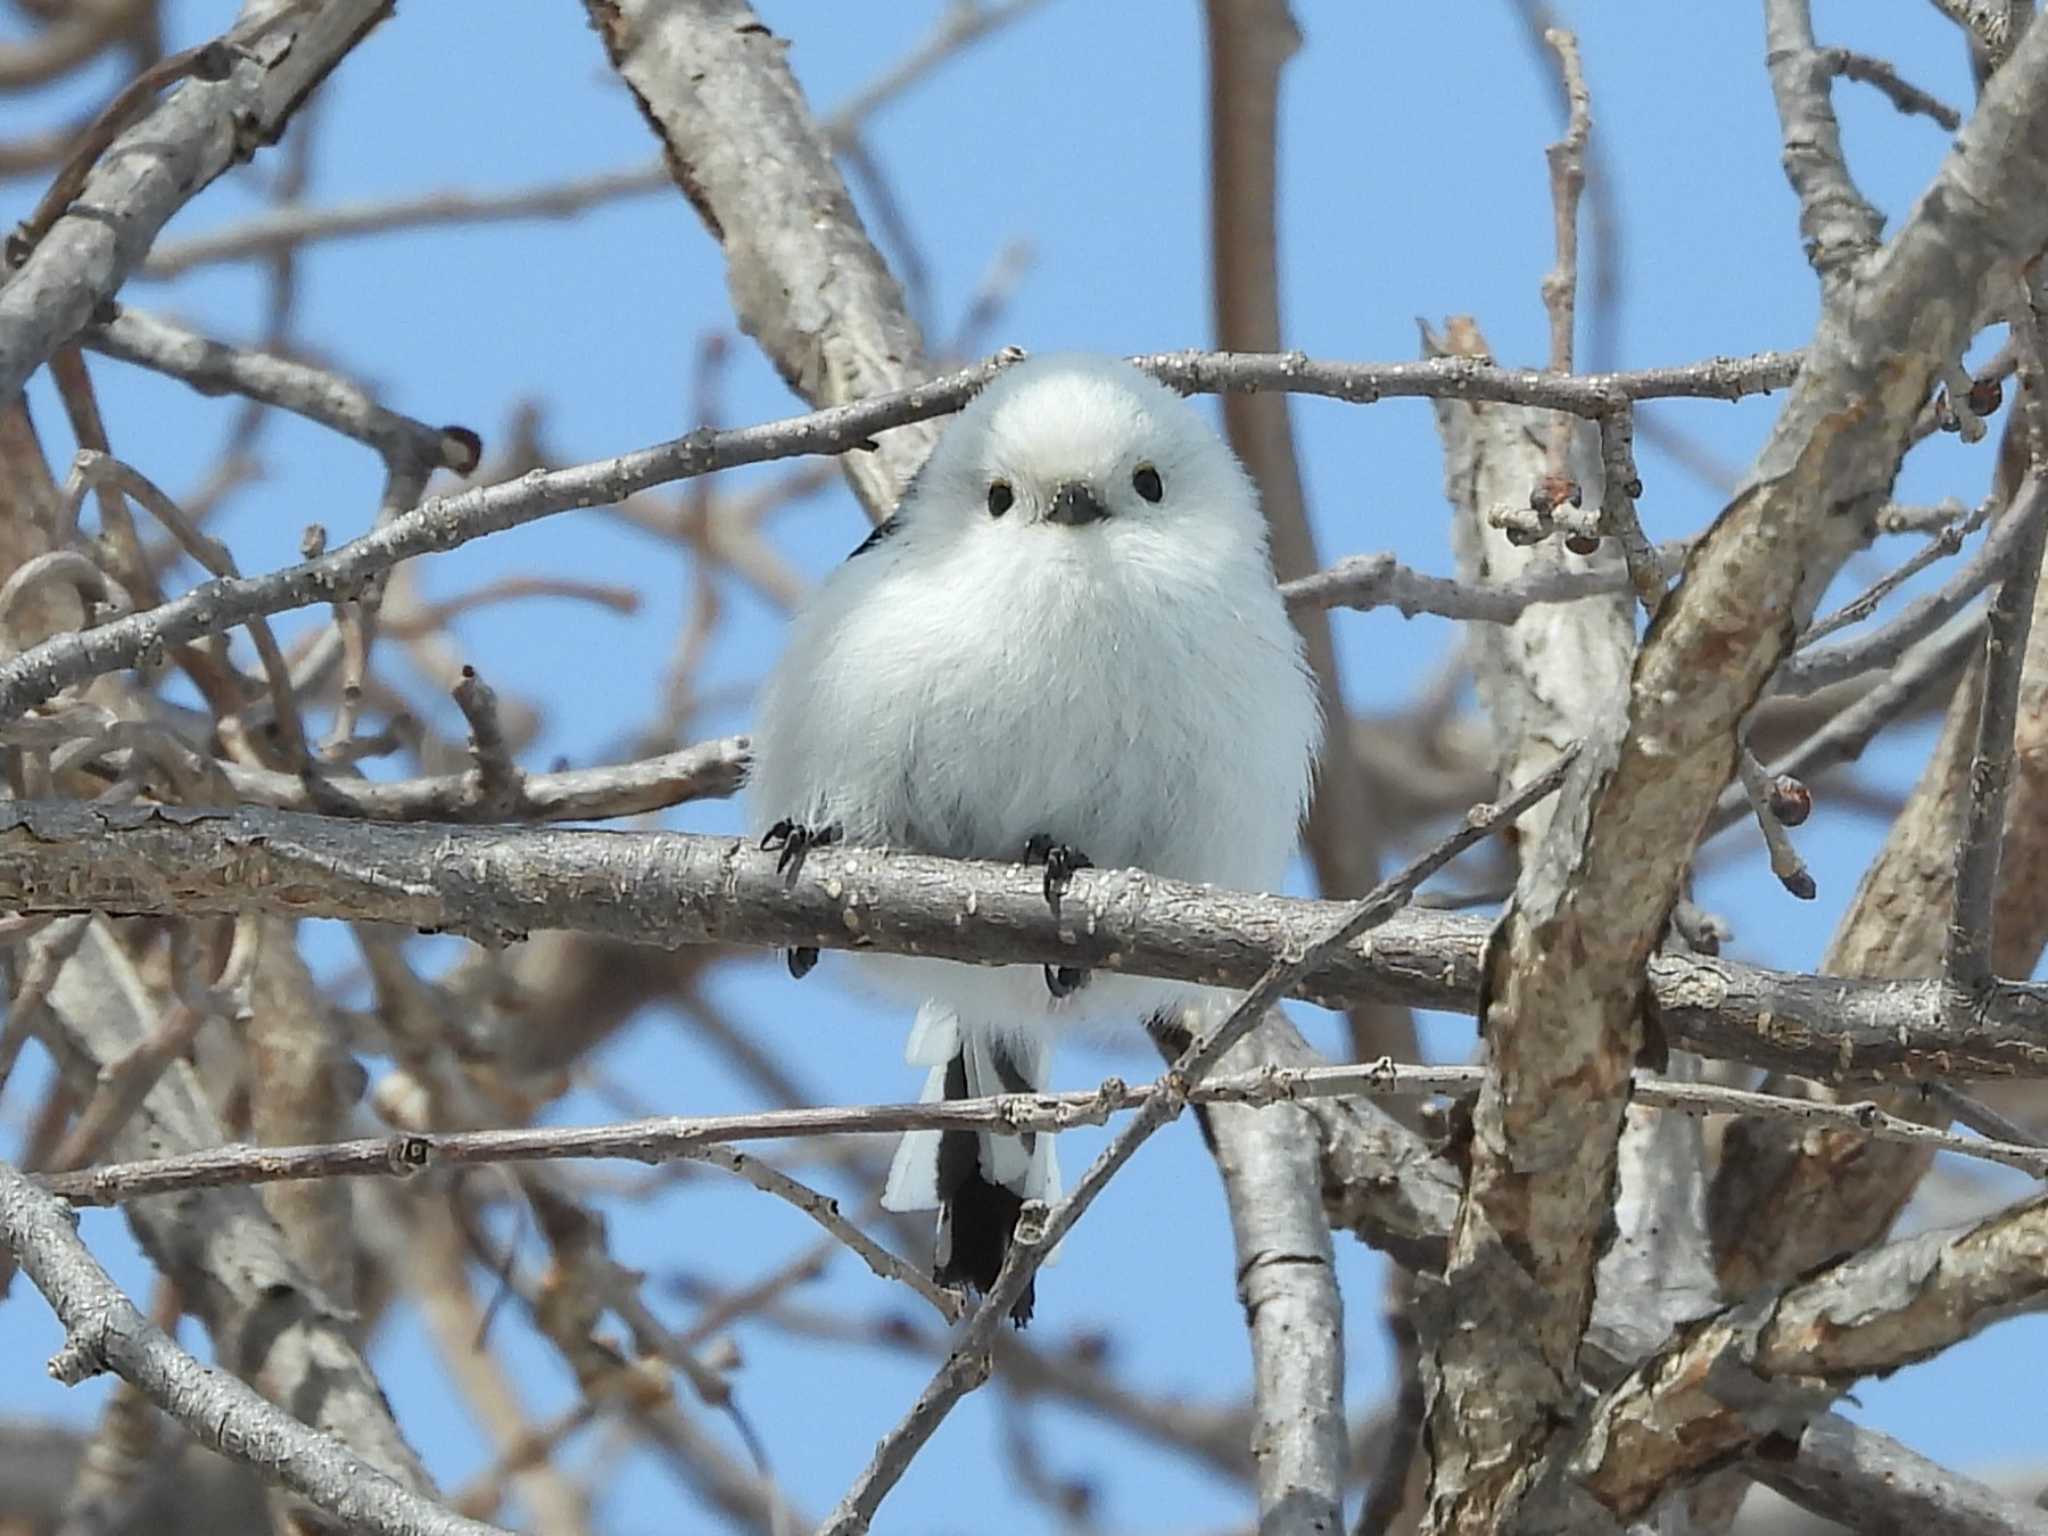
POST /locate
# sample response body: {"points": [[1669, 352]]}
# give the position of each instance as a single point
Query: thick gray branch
{"points": [[1287, 1284], [1840, 228], [670, 889]]}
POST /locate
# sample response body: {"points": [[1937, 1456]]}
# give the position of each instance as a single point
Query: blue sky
{"points": [[1413, 186]]}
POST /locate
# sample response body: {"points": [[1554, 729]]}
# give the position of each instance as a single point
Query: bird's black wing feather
{"points": [[887, 528]]}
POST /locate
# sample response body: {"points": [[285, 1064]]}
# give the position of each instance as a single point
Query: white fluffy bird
{"points": [[1066, 647]]}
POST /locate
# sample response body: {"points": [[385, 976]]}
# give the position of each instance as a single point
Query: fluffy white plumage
{"points": [[1106, 662]]}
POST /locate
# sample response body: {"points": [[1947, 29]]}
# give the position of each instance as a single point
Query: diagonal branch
{"points": [[1762, 1366], [105, 1332], [1866, 1481], [1303, 1492]]}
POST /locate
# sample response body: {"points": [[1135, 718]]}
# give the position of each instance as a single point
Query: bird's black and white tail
{"points": [[977, 1181]]}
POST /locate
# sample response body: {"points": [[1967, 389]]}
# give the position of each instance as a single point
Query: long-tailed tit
{"points": [[1066, 646]]}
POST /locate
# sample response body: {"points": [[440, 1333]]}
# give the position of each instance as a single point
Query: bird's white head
{"points": [[1070, 454]]}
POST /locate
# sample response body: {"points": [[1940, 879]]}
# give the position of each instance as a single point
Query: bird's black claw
{"points": [[1060, 862], [1065, 980], [794, 841], [800, 960]]}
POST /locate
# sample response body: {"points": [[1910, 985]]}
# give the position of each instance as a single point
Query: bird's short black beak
{"points": [[1075, 505]]}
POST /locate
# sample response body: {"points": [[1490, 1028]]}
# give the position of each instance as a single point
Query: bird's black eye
{"points": [[1146, 483], [1000, 497]]}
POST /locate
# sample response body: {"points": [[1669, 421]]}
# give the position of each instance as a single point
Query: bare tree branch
{"points": [[451, 521], [448, 522], [213, 367], [711, 770], [1470, 377], [1908, 98], [103, 1331], [286, 228], [269, 1321], [1365, 582]]}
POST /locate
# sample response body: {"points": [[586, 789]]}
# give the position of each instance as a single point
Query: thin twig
{"points": [[1908, 98], [1843, 738], [957, 29], [1590, 395], [665, 1138], [1904, 517], [1567, 158], [211, 60], [437, 616], [448, 522], [1981, 1117], [1808, 670], [1619, 488], [217, 560], [124, 1083], [1365, 582], [825, 1212], [500, 784], [1946, 540], [320, 395], [709, 771], [260, 238]]}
